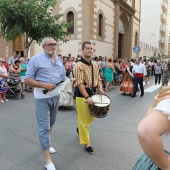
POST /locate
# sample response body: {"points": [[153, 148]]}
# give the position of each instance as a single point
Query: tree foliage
{"points": [[33, 19]]}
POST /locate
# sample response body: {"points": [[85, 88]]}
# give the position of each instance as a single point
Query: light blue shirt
{"points": [[41, 68]]}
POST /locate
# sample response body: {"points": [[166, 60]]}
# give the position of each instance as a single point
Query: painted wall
{"points": [[146, 52], [138, 8], [73, 45], [67, 4], [105, 45], [70, 47], [38, 49], [103, 49], [136, 28]]}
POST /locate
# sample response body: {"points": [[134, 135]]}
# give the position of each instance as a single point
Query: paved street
{"points": [[114, 138]]}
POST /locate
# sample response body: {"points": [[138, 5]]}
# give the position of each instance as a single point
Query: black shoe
{"points": [[89, 150], [133, 95], [77, 131], [142, 94]]}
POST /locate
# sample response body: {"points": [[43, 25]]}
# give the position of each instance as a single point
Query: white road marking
{"points": [[144, 84], [152, 88]]}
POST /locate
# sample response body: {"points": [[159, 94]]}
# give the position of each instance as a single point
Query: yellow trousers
{"points": [[84, 120]]}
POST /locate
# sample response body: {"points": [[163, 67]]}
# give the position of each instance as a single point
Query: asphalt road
{"points": [[114, 138]]}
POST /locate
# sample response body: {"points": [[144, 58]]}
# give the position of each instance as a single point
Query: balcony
{"points": [[162, 29], [162, 40], [163, 18], [164, 6]]}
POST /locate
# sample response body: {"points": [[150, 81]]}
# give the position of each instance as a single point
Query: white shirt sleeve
{"points": [[163, 106], [144, 70]]}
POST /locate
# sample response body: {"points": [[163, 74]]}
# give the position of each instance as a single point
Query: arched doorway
{"points": [[18, 45], [124, 39]]}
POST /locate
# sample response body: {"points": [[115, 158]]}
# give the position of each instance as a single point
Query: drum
{"points": [[101, 105]]}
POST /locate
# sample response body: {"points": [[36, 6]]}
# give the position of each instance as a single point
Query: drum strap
{"points": [[92, 74]]}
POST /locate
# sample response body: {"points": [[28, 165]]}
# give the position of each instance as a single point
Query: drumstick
{"points": [[98, 103]]}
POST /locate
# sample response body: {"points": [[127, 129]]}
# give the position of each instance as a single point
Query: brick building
{"points": [[113, 26]]}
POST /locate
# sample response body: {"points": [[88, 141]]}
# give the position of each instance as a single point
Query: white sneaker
{"points": [[52, 150], [50, 166]]}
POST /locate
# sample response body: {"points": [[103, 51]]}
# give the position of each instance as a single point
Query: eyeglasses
{"points": [[51, 45]]}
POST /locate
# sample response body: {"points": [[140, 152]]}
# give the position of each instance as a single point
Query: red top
{"points": [[69, 65], [6, 65]]}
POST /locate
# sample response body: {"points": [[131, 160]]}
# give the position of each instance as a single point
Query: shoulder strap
{"points": [[92, 73]]}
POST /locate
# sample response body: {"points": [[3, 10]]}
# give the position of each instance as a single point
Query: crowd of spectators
{"points": [[111, 70]]}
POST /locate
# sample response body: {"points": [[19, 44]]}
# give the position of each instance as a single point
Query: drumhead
{"points": [[101, 100]]}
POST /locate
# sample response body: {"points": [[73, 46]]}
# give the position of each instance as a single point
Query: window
{"points": [[136, 39], [100, 24], [121, 27], [70, 18]]}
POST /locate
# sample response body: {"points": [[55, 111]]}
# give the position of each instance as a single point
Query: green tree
{"points": [[33, 19]]}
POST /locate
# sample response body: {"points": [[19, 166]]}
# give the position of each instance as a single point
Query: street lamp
{"points": [[150, 42]]}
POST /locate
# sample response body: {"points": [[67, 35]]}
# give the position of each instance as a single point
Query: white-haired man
{"points": [[45, 72], [13, 58]]}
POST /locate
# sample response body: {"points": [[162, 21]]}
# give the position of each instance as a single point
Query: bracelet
{"points": [[87, 97]]}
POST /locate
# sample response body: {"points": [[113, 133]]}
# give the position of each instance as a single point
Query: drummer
{"points": [[87, 81]]}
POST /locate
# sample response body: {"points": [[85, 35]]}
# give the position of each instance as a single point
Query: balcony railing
{"points": [[163, 29], [163, 18], [162, 40], [164, 6]]}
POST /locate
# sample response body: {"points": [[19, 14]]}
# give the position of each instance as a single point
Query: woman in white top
{"points": [[158, 72], [154, 135], [3, 83]]}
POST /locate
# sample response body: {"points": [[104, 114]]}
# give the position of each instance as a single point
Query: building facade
{"points": [[155, 32], [113, 27]]}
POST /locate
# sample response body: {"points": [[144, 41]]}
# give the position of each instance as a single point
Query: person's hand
{"points": [[6, 76], [101, 91], [89, 101], [49, 86]]}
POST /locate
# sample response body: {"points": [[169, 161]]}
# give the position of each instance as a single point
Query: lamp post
{"points": [[150, 42]]}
